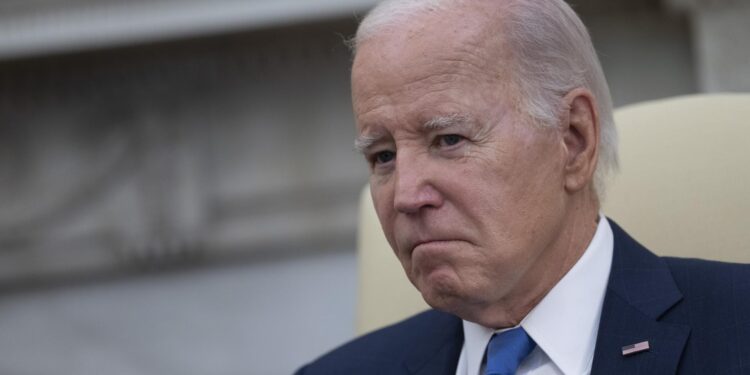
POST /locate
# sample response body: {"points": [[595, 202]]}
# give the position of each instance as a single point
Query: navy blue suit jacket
{"points": [[695, 315]]}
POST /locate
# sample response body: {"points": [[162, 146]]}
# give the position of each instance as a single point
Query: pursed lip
{"points": [[429, 241]]}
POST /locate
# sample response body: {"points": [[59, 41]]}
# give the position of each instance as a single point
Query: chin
{"points": [[459, 305], [442, 291]]}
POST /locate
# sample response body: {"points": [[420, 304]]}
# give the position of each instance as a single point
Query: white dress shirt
{"points": [[564, 324]]}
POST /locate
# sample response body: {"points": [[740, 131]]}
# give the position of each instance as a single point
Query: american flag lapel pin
{"points": [[635, 348]]}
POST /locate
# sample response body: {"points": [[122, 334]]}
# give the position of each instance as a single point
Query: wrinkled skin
{"points": [[485, 212]]}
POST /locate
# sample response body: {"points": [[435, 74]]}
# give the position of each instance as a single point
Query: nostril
{"points": [[420, 197]]}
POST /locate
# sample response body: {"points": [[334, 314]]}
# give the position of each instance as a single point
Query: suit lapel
{"points": [[438, 352], [640, 291]]}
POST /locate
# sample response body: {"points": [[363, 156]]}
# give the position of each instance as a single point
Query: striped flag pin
{"points": [[635, 348]]}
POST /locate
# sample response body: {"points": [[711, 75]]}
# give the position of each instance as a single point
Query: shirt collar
{"points": [[564, 324]]}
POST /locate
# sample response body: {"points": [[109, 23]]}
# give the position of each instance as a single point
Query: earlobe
{"points": [[581, 138]]}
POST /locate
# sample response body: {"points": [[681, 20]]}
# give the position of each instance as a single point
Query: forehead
{"points": [[435, 59], [445, 38]]}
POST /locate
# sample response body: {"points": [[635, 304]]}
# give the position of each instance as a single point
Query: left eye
{"points": [[449, 139]]}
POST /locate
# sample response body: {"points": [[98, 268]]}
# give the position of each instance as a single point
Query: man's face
{"points": [[469, 194]]}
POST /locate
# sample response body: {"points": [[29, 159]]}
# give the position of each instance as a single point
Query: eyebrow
{"points": [[365, 141], [447, 121]]}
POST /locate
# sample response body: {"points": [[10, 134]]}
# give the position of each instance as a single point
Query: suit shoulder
{"points": [[707, 274], [713, 292], [715, 305], [385, 348]]}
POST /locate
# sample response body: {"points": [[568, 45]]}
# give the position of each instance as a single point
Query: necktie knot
{"points": [[507, 350]]}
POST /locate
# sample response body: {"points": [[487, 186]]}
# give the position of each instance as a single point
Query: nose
{"points": [[414, 188]]}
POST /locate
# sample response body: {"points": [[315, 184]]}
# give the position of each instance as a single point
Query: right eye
{"points": [[383, 157]]}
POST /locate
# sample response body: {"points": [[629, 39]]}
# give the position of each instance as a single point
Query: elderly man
{"points": [[488, 128]]}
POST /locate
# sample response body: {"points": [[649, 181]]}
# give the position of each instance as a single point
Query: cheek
{"points": [[382, 198]]}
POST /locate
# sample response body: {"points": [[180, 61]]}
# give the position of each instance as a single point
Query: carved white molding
{"points": [[190, 152], [29, 28]]}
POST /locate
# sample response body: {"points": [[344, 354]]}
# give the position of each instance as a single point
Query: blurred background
{"points": [[178, 185]]}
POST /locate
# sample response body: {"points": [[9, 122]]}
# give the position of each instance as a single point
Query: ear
{"points": [[581, 139]]}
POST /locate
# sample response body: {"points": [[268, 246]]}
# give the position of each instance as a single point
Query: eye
{"points": [[449, 140], [383, 157]]}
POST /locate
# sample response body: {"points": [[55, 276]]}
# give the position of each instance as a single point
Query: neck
{"points": [[576, 234]]}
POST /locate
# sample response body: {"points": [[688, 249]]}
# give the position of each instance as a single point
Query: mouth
{"points": [[425, 244]]}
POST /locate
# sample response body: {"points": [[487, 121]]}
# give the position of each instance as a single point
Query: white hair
{"points": [[553, 55]]}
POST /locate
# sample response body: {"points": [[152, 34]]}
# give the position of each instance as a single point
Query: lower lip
{"points": [[434, 245]]}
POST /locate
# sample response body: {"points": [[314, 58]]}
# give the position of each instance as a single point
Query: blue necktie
{"points": [[507, 350]]}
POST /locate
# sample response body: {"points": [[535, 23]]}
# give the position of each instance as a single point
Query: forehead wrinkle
{"points": [[436, 82], [449, 69]]}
